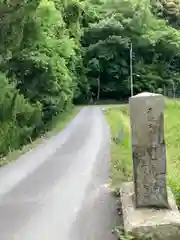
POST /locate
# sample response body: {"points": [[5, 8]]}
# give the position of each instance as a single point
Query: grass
{"points": [[58, 123], [121, 156]]}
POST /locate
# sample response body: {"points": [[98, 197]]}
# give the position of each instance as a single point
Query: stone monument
{"points": [[148, 205], [148, 147]]}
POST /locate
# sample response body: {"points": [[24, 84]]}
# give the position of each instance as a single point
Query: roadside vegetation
{"points": [[55, 53], [121, 155], [57, 124]]}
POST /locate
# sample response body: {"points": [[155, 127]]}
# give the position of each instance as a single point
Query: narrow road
{"points": [[58, 191]]}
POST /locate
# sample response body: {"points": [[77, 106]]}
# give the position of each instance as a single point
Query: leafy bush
{"points": [[18, 118]]}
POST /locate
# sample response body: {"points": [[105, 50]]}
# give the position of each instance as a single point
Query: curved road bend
{"points": [[58, 190]]}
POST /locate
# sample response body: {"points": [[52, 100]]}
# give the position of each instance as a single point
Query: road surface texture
{"points": [[58, 191]]}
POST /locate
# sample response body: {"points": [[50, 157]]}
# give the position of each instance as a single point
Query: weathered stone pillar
{"points": [[148, 148], [148, 205]]}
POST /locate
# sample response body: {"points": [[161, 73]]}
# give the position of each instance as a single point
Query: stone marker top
{"points": [[146, 94]]}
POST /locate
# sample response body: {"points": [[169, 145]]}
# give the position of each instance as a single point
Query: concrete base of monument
{"points": [[148, 223]]}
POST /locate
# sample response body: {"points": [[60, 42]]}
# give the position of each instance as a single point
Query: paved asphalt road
{"points": [[58, 191]]}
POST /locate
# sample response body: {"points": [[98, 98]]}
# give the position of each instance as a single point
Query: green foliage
{"points": [[156, 46], [18, 119], [41, 64], [121, 235], [168, 9], [57, 52]]}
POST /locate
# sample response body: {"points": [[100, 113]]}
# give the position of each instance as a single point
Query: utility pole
{"points": [[131, 73]]}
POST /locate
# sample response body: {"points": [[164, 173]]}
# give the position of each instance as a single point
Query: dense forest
{"points": [[55, 53]]}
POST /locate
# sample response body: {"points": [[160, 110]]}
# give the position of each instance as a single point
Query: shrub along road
{"points": [[60, 190]]}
